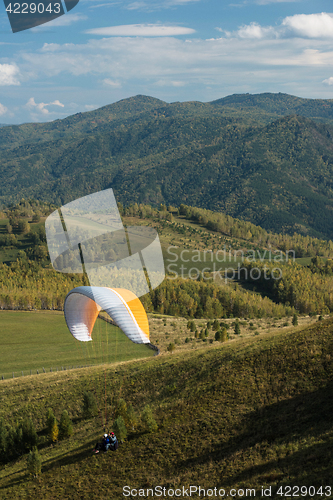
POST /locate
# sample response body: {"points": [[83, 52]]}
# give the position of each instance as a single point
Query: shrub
{"points": [[295, 320], [65, 426], [224, 335], [320, 318], [216, 325], [148, 420], [54, 434], [34, 462], [89, 408], [237, 328], [218, 335], [119, 428], [171, 347]]}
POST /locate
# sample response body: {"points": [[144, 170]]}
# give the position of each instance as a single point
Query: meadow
{"points": [[31, 341]]}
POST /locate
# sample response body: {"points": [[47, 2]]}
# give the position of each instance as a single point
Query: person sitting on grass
{"points": [[104, 445], [113, 442]]}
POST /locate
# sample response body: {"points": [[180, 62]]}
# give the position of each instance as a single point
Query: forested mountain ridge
{"points": [[235, 155], [280, 105]]}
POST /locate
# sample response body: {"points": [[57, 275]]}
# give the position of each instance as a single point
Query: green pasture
{"points": [[37, 340]]}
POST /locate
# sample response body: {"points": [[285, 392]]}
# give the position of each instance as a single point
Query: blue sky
{"points": [[175, 50]]}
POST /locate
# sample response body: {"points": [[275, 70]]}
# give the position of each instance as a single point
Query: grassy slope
{"points": [[245, 414], [33, 340]]}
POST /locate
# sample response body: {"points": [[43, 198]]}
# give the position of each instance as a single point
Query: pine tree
{"points": [[89, 408], [29, 435], [218, 335], [237, 328], [34, 462], [49, 420], [295, 320], [216, 325], [65, 426]]}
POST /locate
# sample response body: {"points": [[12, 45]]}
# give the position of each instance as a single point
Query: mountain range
{"points": [[266, 158]]}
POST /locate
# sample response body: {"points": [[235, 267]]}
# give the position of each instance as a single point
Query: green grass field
{"points": [[37, 340]]}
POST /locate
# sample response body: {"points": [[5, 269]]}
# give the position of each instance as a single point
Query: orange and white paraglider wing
{"points": [[83, 304]]}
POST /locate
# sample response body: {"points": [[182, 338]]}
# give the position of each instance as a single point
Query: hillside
{"points": [[250, 413], [253, 157], [279, 105]]}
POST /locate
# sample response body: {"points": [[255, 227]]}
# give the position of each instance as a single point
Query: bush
{"points": [[119, 428], [171, 347], [34, 462], [148, 420], [216, 325], [65, 426], [237, 328], [218, 335], [295, 320], [320, 318], [54, 434], [89, 407]]}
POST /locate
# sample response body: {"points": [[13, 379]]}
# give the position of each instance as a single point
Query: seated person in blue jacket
{"points": [[104, 445]]}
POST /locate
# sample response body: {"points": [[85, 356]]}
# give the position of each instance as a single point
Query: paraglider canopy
{"points": [[83, 304]]}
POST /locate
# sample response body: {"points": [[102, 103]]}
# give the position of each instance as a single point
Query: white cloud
{"points": [[3, 109], [66, 20], [328, 81], [170, 83], [141, 30], [253, 58], [314, 26], [254, 30], [310, 25], [137, 6], [90, 107], [112, 83], [9, 74], [41, 107]]}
